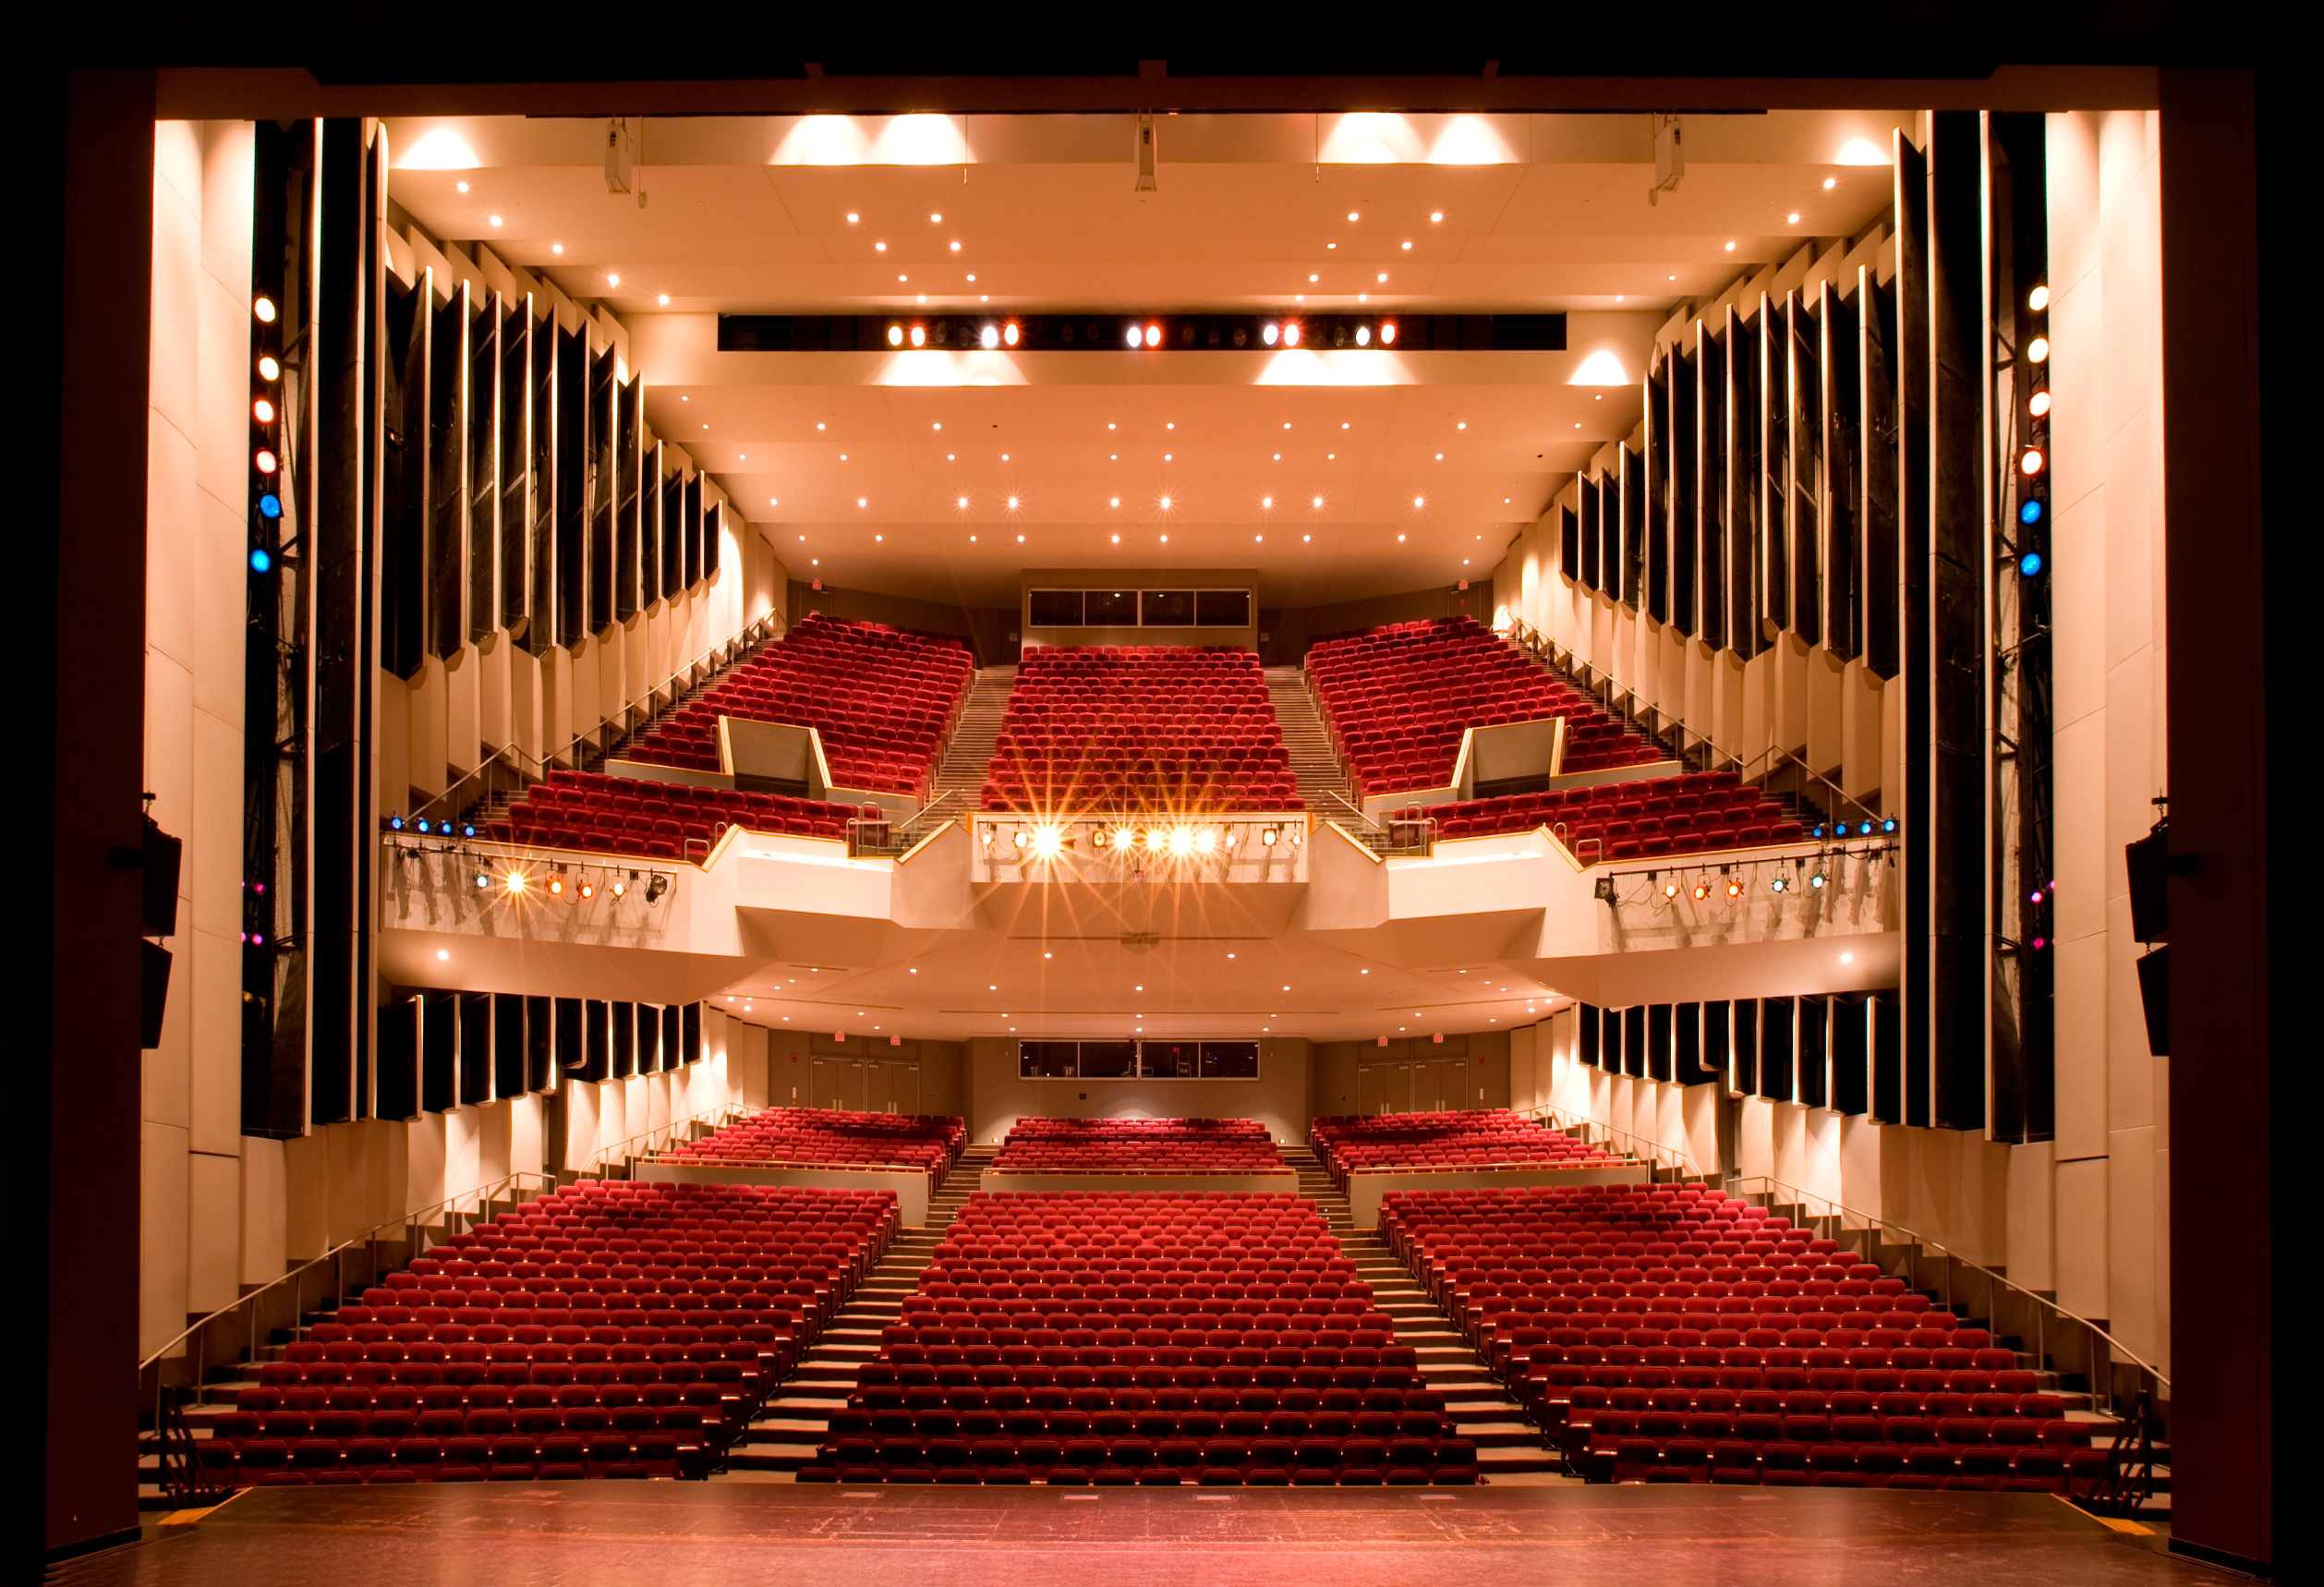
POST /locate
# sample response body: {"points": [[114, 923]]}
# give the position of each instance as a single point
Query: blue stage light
{"points": [[2031, 564], [421, 823], [1865, 830], [1887, 825], [260, 561], [2030, 512], [467, 830], [395, 823], [269, 505]]}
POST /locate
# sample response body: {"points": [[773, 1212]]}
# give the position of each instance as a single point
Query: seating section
{"points": [[881, 697], [1486, 1138], [1131, 1146], [655, 820], [1670, 1334], [814, 1135], [1700, 811], [1399, 698], [1073, 1338], [1140, 729], [605, 1330]]}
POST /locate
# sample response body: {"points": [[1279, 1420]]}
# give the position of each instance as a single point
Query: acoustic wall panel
{"points": [[516, 344], [448, 473], [484, 467]]}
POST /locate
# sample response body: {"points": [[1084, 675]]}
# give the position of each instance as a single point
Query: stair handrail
{"points": [[723, 654], [1655, 1151], [1807, 1200], [725, 1113]]}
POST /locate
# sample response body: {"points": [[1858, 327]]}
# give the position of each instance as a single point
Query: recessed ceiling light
{"points": [[1440, 457], [956, 247], [663, 300], [612, 279], [1437, 216], [1383, 275], [462, 185], [1794, 219], [1830, 183], [1419, 502], [556, 247], [496, 220], [1266, 501], [936, 220], [1166, 503], [1021, 539], [861, 502], [1400, 539], [1408, 247], [1116, 500], [1012, 504], [1306, 537], [1310, 278], [1730, 248], [853, 217], [880, 247], [964, 501], [772, 502], [819, 426], [1319, 501]]}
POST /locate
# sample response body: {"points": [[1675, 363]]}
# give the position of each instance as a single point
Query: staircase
{"points": [[795, 1420], [1509, 1447], [1325, 788], [959, 778]]}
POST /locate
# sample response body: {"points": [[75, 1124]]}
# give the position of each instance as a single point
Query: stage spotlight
{"points": [[2030, 512], [1735, 886], [1817, 831], [919, 335], [991, 338], [262, 410], [421, 825], [1153, 335], [1387, 335], [265, 461], [1299, 836], [264, 308], [2031, 462], [1864, 829], [269, 369], [2038, 350], [656, 887], [1291, 334], [269, 505], [1047, 843], [1269, 835], [1363, 336], [895, 335], [395, 823], [515, 882], [1781, 884], [2039, 299], [2039, 406], [1181, 841], [1890, 826], [1670, 888], [1098, 840], [589, 888], [1702, 889], [1816, 880], [1009, 333], [620, 884], [2031, 564], [1022, 838], [1268, 334], [557, 884], [260, 561], [1205, 841], [483, 880]]}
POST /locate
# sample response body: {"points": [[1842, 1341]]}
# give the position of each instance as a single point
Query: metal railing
{"points": [[457, 1210], [662, 1135], [1847, 1219], [508, 767], [1645, 1149]]}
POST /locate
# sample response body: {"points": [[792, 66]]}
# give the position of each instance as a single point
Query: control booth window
{"points": [[1119, 1059], [1056, 608], [1111, 607], [1138, 608], [1167, 608]]}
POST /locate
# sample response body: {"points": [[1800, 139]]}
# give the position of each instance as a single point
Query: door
{"points": [[835, 1082], [895, 1087], [1384, 1087]]}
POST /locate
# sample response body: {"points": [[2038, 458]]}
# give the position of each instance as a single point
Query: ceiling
{"points": [[1426, 463]]}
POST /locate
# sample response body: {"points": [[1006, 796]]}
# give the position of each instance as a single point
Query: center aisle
{"points": [[1509, 1447], [796, 1419]]}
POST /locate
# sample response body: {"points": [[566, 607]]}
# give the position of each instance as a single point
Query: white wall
{"points": [[197, 443]]}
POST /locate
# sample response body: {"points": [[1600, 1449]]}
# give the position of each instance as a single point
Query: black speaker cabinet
{"points": [[155, 991], [2148, 861], [2154, 995], [164, 854]]}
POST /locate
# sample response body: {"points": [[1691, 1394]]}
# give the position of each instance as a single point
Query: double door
{"points": [[862, 1085], [1415, 1085]]}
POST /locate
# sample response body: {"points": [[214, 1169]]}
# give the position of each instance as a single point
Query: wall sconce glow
{"points": [[822, 140], [923, 140], [1371, 138], [1860, 152], [1470, 140], [442, 150], [1296, 367], [928, 366], [1600, 368]]}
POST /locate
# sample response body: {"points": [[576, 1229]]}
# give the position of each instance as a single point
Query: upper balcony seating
{"points": [[655, 820], [603, 1330], [1148, 1339], [1626, 820], [1133, 1145], [1139, 730], [833, 1135], [1669, 1333], [881, 697], [1493, 1138], [1399, 698]]}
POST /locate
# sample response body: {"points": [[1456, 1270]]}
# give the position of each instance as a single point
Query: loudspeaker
{"points": [[2154, 996], [154, 990], [163, 856], [2148, 861]]}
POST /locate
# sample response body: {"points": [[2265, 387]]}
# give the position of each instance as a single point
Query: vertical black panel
{"points": [[404, 479], [1886, 1028], [1645, 565], [690, 1033], [1777, 1053], [511, 1045], [623, 1021], [693, 527], [541, 422], [1660, 1043], [448, 474], [1686, 1043], [1568, 543], [1634, 1041], [1913, 628], [627, 503], [1842, 468], [1744, 450], [1814, 1045], [1592, 544], [1771, 480], [516, 479], [350, 317], [673, 536], [649, 1056], [1743, 1047], [475, 1048], [540, 1044], [1851, 1052], [1587, 1030], [713, 532], [1614, 555], [599, 490], [1807, 467], [1949, 831], [484, 468], [1656, 473], [1679, 522], [573, 488], [397, 1093], [572, 1040], [1718, 1039], [597, 1040], [1710, 504], [439, 1051], [1883, 453]]}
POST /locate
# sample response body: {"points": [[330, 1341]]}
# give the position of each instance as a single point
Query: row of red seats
{"points": [[1659, 816], [1128, 1145], [1398, 699], [880, 698], [655, 820], [833, 1135], [1454, 1138], [602, 1311], [1141, 1461], [571, 1457], [1177, 730]]}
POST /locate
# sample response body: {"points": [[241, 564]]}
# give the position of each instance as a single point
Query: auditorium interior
{"points": [[820, 819]]}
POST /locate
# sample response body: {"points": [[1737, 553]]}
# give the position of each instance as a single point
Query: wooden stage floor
{"points": [[681, 1534]]}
